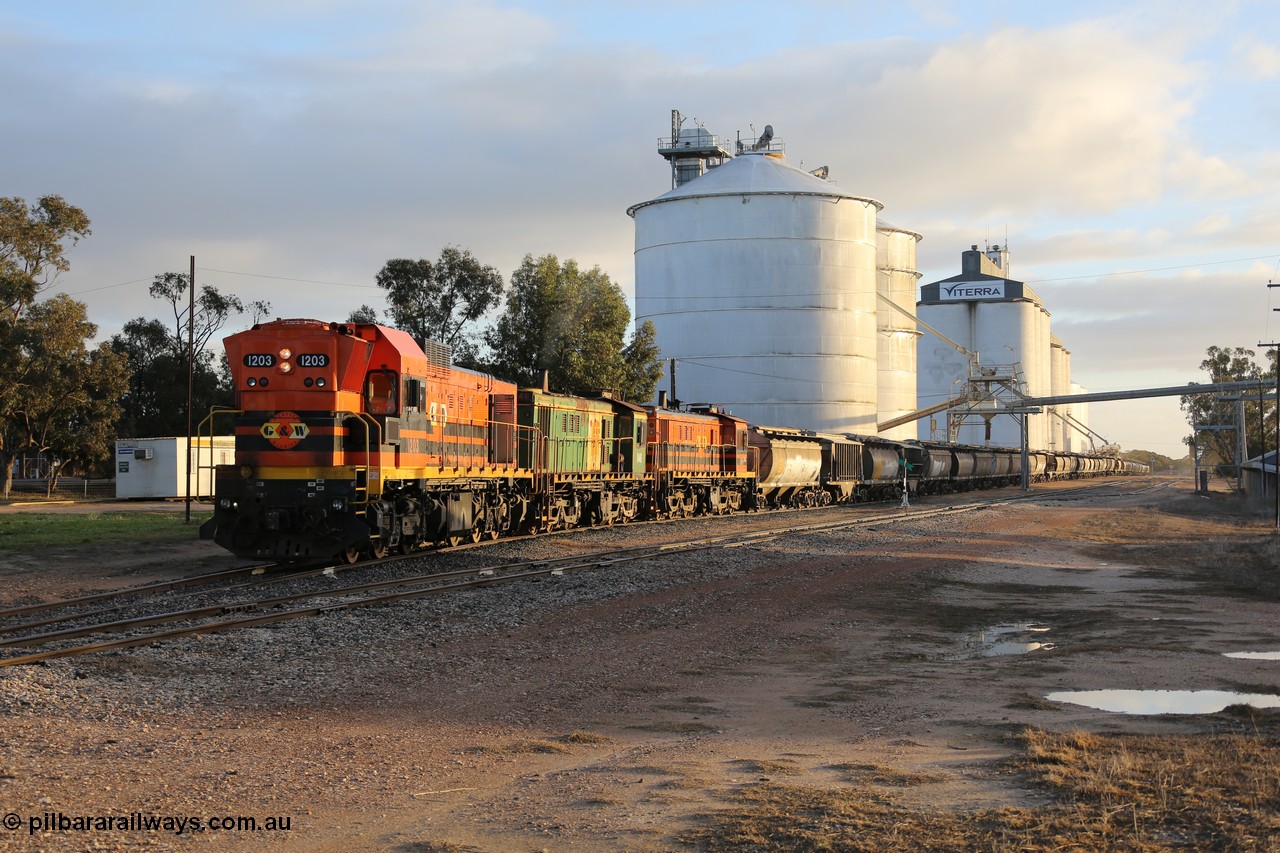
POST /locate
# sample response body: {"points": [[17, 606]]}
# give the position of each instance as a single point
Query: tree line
{"points": [[1239, 364], [557, 318], [69, 399]]}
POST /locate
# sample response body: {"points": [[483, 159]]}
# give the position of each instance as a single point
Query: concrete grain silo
{"points": [[1039, 372], [1000, 319], [760, 280], [1060, 384], [896, 333]]}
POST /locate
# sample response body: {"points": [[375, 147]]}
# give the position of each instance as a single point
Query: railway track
{"points": [[247, 613]]}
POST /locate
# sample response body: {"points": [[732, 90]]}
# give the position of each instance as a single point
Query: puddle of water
{"points": [[1253, 655], [1001, 640], [998, 649], [1163, 701]]}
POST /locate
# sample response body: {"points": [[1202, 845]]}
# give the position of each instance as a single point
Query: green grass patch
{"points": [[38, 531]]}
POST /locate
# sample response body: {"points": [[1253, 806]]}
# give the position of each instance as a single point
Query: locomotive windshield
{"points": [[380, 389]]}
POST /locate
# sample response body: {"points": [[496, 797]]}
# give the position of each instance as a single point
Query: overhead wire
{"points": [[1151, 269], [108, 286], [228, 272], [286, 278]]}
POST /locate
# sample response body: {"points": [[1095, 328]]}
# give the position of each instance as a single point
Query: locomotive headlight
{"points": [[320, 383], [286, 368], [286, 354], [252, 383], [227, 504], [246, 471], [339, 504]]}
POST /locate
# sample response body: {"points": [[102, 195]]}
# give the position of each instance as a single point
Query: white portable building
{"points": [[157, 467]]}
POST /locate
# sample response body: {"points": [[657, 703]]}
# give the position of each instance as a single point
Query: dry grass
{"points": [[1111, 792], [690, 783], [1237, 554], [759, 767], [892, 777], [524, 747], [589, 738], [675, 728]]}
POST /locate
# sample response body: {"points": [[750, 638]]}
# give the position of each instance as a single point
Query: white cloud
{"points": [[1213, 224], [1079, 117], [1259, 60], [461, 39]]}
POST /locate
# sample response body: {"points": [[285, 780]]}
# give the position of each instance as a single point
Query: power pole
{"points": [[674, 401], [191, 372], [1275, 460]]}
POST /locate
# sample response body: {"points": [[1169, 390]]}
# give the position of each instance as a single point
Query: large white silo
{"points": [[1011, 332], [1001, 320], [896, 332], [1002, 334], [1059, 385], [942, 369], [760, 280], [1040, 373]]}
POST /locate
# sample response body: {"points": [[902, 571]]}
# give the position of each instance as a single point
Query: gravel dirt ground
{"points": [[621, 709]]}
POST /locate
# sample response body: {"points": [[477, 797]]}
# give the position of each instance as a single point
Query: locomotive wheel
{"points": [[349, 556], [475, 534], [491, 533], [454, 541], [378, 550]]}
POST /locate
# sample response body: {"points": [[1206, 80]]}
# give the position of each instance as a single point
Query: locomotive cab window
{"points": [[380, 388]]}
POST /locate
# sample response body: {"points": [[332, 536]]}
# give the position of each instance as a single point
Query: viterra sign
{"points": [[971, 290]]}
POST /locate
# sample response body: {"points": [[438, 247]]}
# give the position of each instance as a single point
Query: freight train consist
{"points": [[351, 440]]}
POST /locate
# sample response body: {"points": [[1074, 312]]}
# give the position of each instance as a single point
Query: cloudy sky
{"points": [[1129, 152]]}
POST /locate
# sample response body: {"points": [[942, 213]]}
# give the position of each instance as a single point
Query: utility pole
{"points": [[1276, 458], [672, 362], [1242, 444], [191, 365]]}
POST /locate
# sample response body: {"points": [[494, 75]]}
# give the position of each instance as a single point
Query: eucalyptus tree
{"points": [[442, 300], [571, 323]]}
